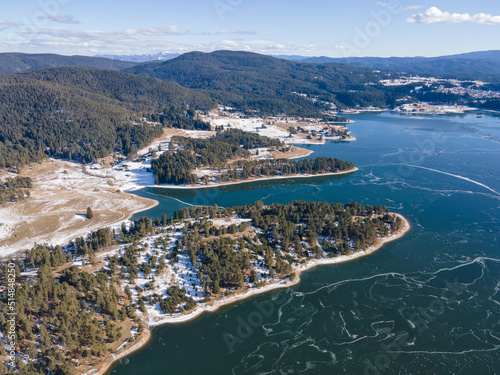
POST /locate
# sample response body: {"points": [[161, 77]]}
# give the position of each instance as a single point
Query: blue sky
{"points": [[312, 28]]}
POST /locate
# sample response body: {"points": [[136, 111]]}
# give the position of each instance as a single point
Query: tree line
{"points": [[243, 169]]}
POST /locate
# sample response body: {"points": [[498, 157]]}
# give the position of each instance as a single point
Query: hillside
{"points": [[39, 119], [140, 93], [24, 62], [85, 113], [251, 81]]}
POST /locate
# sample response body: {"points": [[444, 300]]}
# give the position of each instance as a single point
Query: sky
{"points": [[280, 27]]}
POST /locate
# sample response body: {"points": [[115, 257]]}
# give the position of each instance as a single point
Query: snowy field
{"points": [[254, 125], [55, 212], [424, 108]]}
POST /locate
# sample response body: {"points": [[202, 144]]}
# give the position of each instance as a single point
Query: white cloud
{"points": [[396, 6], [166, 30], [225, 32], [435, 15], [7, 23], [61, 18], [132, 46], [265, 46], [340, 47], [68, 40], [413, 7], [230, 43], [4, 24], [86, 35], [109, 36]]}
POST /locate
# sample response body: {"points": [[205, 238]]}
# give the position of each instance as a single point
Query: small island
{"points": [[91, 302]]}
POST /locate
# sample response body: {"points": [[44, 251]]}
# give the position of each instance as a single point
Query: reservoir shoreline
{"points": [[248, 180], [228, 300]]}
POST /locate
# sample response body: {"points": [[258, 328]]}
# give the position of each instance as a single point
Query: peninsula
{"points": [[171, 270], [232, 156]]}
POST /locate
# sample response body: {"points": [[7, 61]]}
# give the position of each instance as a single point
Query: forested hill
{"points": [[24, 62], [258, 82], [39, 119], [140, 93], [83, 114]]}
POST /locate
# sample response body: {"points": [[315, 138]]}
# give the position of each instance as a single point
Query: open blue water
{"points": [[426, 304]]}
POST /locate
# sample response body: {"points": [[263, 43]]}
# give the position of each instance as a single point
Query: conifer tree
{"points": [[90, 214]]}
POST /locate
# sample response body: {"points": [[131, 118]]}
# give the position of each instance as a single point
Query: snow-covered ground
{"points": [[424, 108], [55, 211], [260, 126], [229, 221], [183, 274]]}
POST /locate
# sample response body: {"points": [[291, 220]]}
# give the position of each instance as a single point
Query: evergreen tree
{"points": [[216, 288]]}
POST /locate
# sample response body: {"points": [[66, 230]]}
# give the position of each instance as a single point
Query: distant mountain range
{"points": [[25, 62], [160, 56], [485, 63]]}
